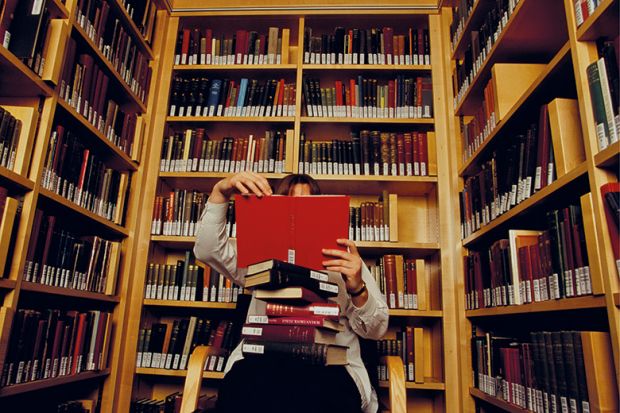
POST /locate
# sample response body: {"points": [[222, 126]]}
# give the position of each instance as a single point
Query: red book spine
{"points": [[416, 153], [185, 46], [219, 334], [410, 376], [209, 40], [423, 153], [313, 321], [330, 310], [77, 356], [291, 334]]}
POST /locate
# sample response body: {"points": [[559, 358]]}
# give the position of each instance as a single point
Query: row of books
{"points": [[55, 343], [374, 46], [170, 404], [407, 342], [475, 129], [479, 45], [116, 43], [361, 97], [584, 9], [10, 209], [142, 12], [59, 257], [517, 169], [200, 96], [168, 345], [24, 31], [402, 281], [194, 151], [77, 406], [84, 86], [178, 213], [604, 82], [10, 129], [201, 46], [461, 12], [531, 266], [552, 371], [367, 153], [187, 281], [371, 221], [72, 171], [286, 286], [610, 193]]}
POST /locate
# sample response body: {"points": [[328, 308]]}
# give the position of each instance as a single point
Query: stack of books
{"points": [[295, 317]]}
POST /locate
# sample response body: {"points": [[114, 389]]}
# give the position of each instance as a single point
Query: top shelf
{"points": [[17, 80], [528, 37], [602, 23], [476, 17]]}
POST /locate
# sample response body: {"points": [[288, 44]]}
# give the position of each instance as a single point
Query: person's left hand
{"points": [[349, 264]]}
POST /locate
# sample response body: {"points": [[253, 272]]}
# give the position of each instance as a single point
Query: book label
{"points": [[258, 319], [252, 331], [254, 348], [319, 276]]}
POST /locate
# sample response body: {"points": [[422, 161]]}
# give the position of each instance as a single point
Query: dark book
{"points": [[316, 354], [288, 333]]}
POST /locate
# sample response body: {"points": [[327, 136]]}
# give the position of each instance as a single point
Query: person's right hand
{"points": [[245, 183]]}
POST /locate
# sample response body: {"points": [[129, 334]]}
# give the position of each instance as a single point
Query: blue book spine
{"points": [[214, 96], [241, 98]]}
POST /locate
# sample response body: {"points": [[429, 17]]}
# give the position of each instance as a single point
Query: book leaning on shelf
{"points": [[200, 96], [203, 46], [10, 209], [374, 46], [59, 257], [552, 371], [168, 345], [74, 172], [103, 27], [361, 97], [85, 86], [367, 153], [55, 343], [298, 290], [194, 151]]}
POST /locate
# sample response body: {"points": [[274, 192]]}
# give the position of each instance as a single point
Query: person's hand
{"points": [[348, 263], [245, 183]]}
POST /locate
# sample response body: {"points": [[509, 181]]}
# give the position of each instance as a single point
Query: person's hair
{"points": [[285, 185]]}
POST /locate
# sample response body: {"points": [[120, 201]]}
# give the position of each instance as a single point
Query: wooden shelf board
{"points": [[521, 37], [397, 312], [83, 212], [68, 292], [189, 304], [133, 99], [477, 16], [15, 179], [617, 299], [7, 284], [608, 157], [17, 80], [47, 383], [265, 119], [409, 121], [136, 35], [429, 384], [57, 9], [115, 157], [523, 206], [410, 249], [469, 166], [181, 68], [202, 181], [366, 67], [371, 184], [497, 402], [602, 23], [147, 371], [216, 175], [564, 304]]}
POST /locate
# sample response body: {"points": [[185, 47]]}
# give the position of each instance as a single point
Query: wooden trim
{"points": [[564, 304], [496, 401], [407, 121], [397, 312], [7, 284], [67, 292], [608, 157], [182, 68], [264, 119], [429, 384], [617, 299], [16, 179], [47, 383], [46, 193], [527, 204], [205, 175], [144, 371], [190, 304], [391, 68]]}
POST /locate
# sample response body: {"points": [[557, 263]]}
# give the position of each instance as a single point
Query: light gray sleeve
{"points": [[213, 247], [370, 320]]}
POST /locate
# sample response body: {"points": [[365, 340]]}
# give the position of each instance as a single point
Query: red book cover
{"points": [[388, 36], [311, 320], [289, 334], [209, 37], [416, 152], [78, 344], [219, 334], [185, 46], [352, 92], [423, 152], [330, 310], [609, 214], [291, 229], [338, 93], [239, 46], [410, 376]]}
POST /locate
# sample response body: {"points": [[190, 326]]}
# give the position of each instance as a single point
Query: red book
{"points": [[240, 46], [409, 366], [290, 334], [313, 321], [416, 152], [209, 40], [291, 229], [331, 310], [388, 41], [423, 152], [219, 334], [79, 344], [185, 46], [612, 226], [353, 94]]}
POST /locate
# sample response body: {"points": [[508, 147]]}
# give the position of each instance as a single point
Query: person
{"points": [[262, 384]]}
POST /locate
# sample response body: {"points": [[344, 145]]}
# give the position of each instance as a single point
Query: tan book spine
{"points": [[420, 267], [599, 362], [566, 135], [6, 229], [286, 34], [418, 353]]}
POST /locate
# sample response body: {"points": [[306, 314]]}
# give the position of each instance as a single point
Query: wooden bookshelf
{"points": [[602, 23], [68, 292], [617, 299], [18, 80], [374, 68], [47, 383], [190, 304], [529, 203], [608, 157], [6, 284], [496, 401], [526, 34], [10, 178], [563, 304], [411, 249], [115, 157], [201, 119], [215, 68], [556, 65], [58, 9], [147, 371], [404, 121], [397, 312], [428, 384]]}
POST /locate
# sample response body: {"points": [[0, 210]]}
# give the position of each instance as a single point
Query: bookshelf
{"points": [[565, 51], [36, 101], [422, 203]]}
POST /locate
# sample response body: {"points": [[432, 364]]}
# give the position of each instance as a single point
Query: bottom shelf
{"points": [[47, 383], [495, 401], [429, 384], [147, 371]]}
